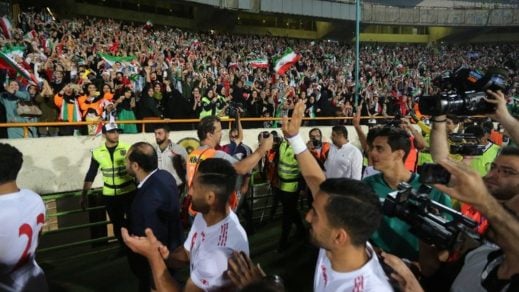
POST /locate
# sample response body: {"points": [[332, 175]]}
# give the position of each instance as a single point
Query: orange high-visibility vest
{"points": [[194, 159]]}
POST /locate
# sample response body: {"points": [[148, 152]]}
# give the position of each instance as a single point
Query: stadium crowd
{"points": [[124, 72], [90, 69]]}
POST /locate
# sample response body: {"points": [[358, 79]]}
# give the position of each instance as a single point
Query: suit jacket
{"points": [[156, 206]]}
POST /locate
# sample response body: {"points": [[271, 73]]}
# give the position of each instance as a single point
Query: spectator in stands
{"points": [[125, 105], [10, 97], [49, 110], [67, 101]]}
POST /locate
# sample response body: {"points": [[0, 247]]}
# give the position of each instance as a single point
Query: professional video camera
{"points": [[233, 108], [465, 144], [463, 92], [423, 215]]}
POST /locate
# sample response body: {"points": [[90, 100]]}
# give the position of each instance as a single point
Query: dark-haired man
{"points": [[118, 185], [216, 232], [344, 159], [171, 156], [156, 206], [481, 163], [210, 134], [388, 151], [317, 147], [22, 213], [344, 215]]}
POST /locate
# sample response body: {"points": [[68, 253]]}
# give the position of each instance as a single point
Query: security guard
{"points": [[288, 193], [119, 186]]}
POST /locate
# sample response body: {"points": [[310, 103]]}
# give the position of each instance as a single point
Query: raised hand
{"points": [[291, 128], [466, 185]]}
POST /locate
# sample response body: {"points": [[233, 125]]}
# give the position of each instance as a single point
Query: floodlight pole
{"points": [[357, 50]]}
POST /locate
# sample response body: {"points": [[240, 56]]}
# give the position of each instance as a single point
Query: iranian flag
{"points": [[9, 63], [259, 63], [6, 27], [30, 35], [111, 60], [14, 51], [283, 63]]}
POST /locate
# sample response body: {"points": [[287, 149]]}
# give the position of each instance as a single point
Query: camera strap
{"points": [[489, 279]]}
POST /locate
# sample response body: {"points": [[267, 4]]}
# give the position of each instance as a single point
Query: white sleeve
{"points": [[356, 165], [191, 235], [208, 272]]}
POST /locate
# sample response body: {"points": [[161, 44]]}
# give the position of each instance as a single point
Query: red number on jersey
{"points": [[26, 229]]}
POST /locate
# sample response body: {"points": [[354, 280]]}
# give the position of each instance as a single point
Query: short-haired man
{"points": [[216, 232], [22, 213], [118, 185], [481, 163], [156, 206], [389, 150], [344, 214], [317, 147], [344, 159], [171, 156], [210, 135]]}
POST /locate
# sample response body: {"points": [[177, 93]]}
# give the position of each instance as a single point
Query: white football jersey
{"points": [[370, 277], [210, 247], [22, 215]]}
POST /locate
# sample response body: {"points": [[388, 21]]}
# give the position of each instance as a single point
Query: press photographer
{"points": [[492, 266], [463, 92]]}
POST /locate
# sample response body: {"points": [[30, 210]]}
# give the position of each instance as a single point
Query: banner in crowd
{"points": [[6, 27], [259, 63], [7, 62], [283, 63], [111, 60], [13, 51]]}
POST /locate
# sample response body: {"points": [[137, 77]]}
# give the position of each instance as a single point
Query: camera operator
{"points": [[481, 163], [317, 147], [493, 264], [388, 152], [498, 186]]}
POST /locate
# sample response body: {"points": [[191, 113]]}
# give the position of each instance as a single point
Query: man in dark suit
{"points": [[155, 206]]}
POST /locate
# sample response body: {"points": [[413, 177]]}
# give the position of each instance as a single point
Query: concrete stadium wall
{"points": [[59, 164], [394, 38]]}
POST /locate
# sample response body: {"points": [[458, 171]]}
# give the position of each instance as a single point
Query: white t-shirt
{"points": [[370, 277], [22, 215], [344, 162], [210, 247], [165, 159]]}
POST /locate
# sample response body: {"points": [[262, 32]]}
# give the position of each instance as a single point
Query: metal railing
{"points": [[68, 239], [145, 122]]}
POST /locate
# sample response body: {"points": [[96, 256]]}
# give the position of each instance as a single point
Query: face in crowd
{"points": [[502, 180], [161, 135]]}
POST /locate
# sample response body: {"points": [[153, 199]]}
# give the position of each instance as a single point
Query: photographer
{"points": [[494, 263], [498, 186], [67, 101], [317, 147], [388, 152], [481, 163]]}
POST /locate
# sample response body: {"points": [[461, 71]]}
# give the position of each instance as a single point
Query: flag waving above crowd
{"points": [[283, 63]]}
